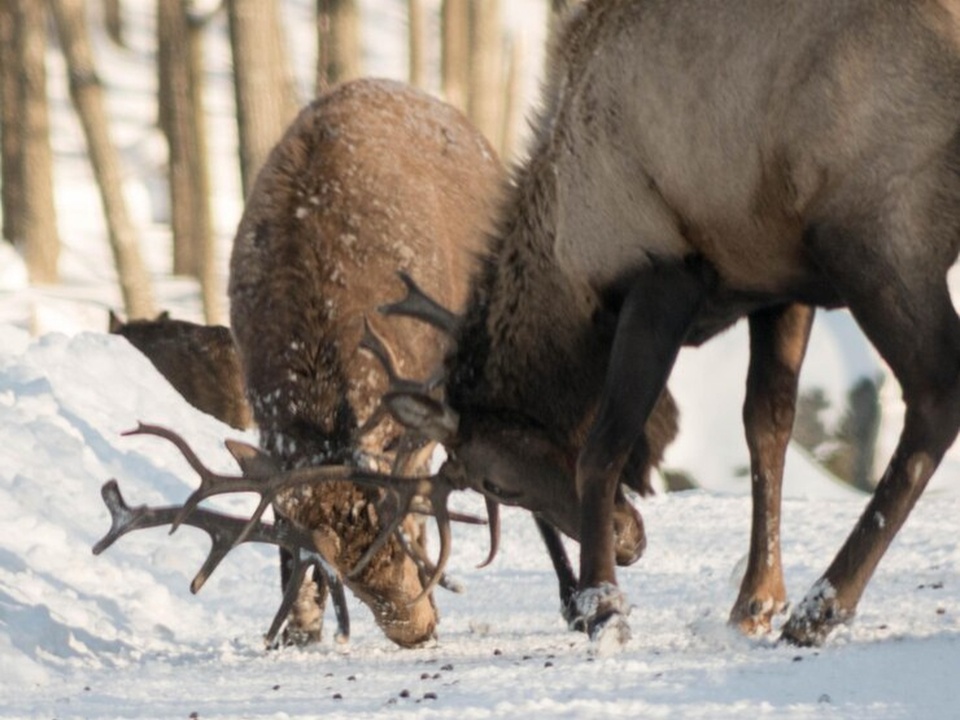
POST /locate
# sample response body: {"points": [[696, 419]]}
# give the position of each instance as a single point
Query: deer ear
{"points": [[423, 414], [252, 461]]}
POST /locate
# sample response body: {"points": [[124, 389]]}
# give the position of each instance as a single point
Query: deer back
{"points": [[371, 179]]}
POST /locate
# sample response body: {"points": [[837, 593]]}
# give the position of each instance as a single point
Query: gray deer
{"points": [[696, 163]]}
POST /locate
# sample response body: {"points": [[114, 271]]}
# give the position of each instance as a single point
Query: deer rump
{"points": [[696, 163]]}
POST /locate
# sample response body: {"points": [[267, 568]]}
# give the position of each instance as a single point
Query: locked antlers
{"points": [[261, 475]]}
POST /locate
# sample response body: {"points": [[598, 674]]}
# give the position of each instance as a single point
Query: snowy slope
{"points": [[119, 635]]}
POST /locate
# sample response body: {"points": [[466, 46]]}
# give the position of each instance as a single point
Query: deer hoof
{"points": [[815, 617], [755, 617], [602, 613], [609, 633]]}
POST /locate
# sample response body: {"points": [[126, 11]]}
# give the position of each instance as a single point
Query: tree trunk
{"points": [[417, 19], [338, 43], [513, 107], [87, 96], [485, 100], [37, 224], [455, 52], [113, 21], [177, 120], [263, 85], [11, 191], [210, 288]]}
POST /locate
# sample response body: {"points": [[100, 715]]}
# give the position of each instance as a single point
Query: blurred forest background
{"points": [[273, 56], [478, 69]]}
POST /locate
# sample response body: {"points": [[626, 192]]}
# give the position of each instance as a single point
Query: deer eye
{"points": [[499, 493]]}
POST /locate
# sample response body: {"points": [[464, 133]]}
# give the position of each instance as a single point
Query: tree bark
{"points": [[263, 84], [417, 36], [11, 191], [37, 222], [210, 288], [338, 43], [113, 21], [513, 108], [485, 100], [87, 96], [455, 52], [177, 120]]}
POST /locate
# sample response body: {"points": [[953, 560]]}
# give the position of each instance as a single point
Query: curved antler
{"points": [[424, 495], [226, 532], [417, 304]]}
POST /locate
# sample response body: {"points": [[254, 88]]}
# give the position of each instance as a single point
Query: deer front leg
{"points": [[778, 342], [651, 326], [561, 566]]}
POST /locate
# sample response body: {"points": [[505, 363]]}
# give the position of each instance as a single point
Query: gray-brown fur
{"points": [[200, 361], [371, 178], [696, 163]]}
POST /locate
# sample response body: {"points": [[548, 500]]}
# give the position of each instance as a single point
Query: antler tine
{"points": [[123, 518], [438, 494], [424, 565], [432, 492], [390, 519], [264, 480], [374, 343], [224, 530], [211, 483], [493, 514], [443, 528], [417, 304], [225, 534]]}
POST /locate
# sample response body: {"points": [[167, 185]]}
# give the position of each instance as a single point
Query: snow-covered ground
{"points": [[119, 635]]}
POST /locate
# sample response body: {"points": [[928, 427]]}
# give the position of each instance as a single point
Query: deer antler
{"points": [[424, 495], [442, 421], [417, 304], [226, 532]]}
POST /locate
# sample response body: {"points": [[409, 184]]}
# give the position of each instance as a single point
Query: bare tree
{"points": [[87, 96], [455, 51], [28, 161], [338, 43], [175, 80], [485, 99], [180, 69], [513, 106], [113, 21], [417, 36], [210, 289], [263, 83], [10, 188]]}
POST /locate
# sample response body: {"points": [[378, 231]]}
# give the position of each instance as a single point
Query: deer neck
{"points": [[534, 341]]}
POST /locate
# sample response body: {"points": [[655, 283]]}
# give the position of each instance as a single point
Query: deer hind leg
{"points": [[903, 305], [778, 342], [651, 326]]}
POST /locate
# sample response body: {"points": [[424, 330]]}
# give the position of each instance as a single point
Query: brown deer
{"points": [[200, 361], [361, 185], [370, 178], [697, 163]]}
